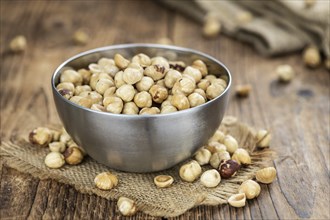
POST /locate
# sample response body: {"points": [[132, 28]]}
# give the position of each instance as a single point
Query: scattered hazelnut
{"points": [[218, 157], [126, 206], [18, 44], [120, 61], [80, 37], [263, 138], [312, 57], [237, 200], [57, 147], [180, 101], [158, 93], [106, 181], [230, 143], [241, 156], [228, 168], [210, 178], [202, 156], [126, 92], [56, 134], [190, 171], [73, 155], [163, 181], [285, 73], [250, 188], [218, 136], [54, 160], [266, 175], [212, 27], [65, 137], [214, 146], [40, 136], [243, 90]]}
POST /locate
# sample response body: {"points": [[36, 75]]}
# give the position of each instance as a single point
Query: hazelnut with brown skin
{"points": [[73, 155], [156, 72], [158, 93], [228, 168], [40, 136]]}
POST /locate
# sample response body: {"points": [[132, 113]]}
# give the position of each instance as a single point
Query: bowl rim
{"points": [[141, 45]]}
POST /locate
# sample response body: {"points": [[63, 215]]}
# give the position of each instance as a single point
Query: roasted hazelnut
{"points": [[82, 101], [161, 82], [171, 77], [156, 72], [243, 90], [218, 136], [109, 92], [237, 200], [285, 73], [180, 101], [120, 61], [80, 89], [212, 27], [103, 84], [95, 97], [66, 86], [149, 111], [71, 76], [40, 136], [126, 206], [57, 147], [210, 77], [244, 17], [195, 99], [163, 181], [228, 168], [263, 138], [214, 146], [119, 81], [73, 155], [141, 59], [144, 84], [96, 77], [201, 66], [266, 175], [98, 107], [218, 157], [168, 109], [126, 92], [66, 93], [86, 75], [114, 104], [210, 178], [194, 73], [18, 44], [108, 66], [241, 156], [80, 37], [185, 86], [162, 61], [230, 143], [65, 137], [143, 99], [177, 65], [190, 171], [219, 81], [130, 108], [312, 57], [94, 68], [54, 160], [250, 188], [158, 93], [214, 90], [56, 134], [105, 181], [201, 92], [133, 73], [203, 84], [202, 156]]}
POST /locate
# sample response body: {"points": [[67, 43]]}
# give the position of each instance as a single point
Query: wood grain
{"points": [[296, 113]]}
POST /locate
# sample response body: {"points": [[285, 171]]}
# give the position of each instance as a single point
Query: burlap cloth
{"points": [[168, 202], [274, 27]]}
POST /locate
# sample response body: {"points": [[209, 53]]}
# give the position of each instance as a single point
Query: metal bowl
{"points": [[141, 143]]}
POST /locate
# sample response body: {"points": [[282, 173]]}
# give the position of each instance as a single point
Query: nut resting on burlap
{"points": [[167, 202]]}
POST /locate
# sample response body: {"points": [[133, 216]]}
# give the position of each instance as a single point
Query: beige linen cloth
{"points": [[273, 27]]}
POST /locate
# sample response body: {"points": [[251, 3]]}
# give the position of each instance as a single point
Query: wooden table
{"points": [[297, 113]]}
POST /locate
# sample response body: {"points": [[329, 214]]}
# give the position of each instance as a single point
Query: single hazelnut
{"points": [[126, 206], [149, 111], [141, 59], [285, 73], [266, 175], [54, 160], [263, 138], [82, 101], [120, 61], [214, 146], [57, 147], [40, 136], [201, 66], [108, 66], [218, 157], [143, 99], [237, 200], [250, 188], [195, 99], [144, 84], [80, 37], [18, 44], [180, 101], [65, 86], [162, 61], [119, 81], [202, 156], [228, 168], [98, 107], [203, 84], [126, 92], [156, 72], [86, 75], [218, 136], [83, 88], [241, 156], [168, 109], [95, 97], [230, 143], [185, 86], [312, 57], [201, 92], [194, 73], [103, 84], [163, 181], [210, 178], [212, 27], [190, 171], [219, 81], [177, 65], [73, 155], [243, 90], [158, 93], [65, 137], [115, 104], [133, 74], [109, 92], [161, 82], [130, 108], [71, 76], [210, 77], [56, 134], [105, 181], [171, 77], [214, 90]]}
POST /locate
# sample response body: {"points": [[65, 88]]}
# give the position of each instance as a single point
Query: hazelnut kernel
{"points": [[214, 146], [18, 44], [285, 73], [189, 172], [180, 101], [163, 181], [201, 66], [158, 93], [210, 178], [106, 181], [149, 111], [250, 188], [40, 136], [243, 90], [126, 206], [73, 155], [144, 84], [57, 147], [194, 73], [228, 168], [171, 77], [119, 81], [237, 200], [266, 175], [218, 157], [143, 99], [212, 27], [168, 109], [202, 156], [115, 105], [214, 90], [126, 92], [130, 108], [120, 61], [218, 136], [54, 160], [241, 156], [98, 107], [133, 74], [80, 37], [230, 143], [142, 59], [195, 99], [203, 84], [71, 76], [263, 138], [312, 57]]}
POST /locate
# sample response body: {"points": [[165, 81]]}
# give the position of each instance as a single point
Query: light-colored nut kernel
{"points": [[158, 93], [177, 65], [201, 92], [210, 77], [218, 136], [144, 84], [228, 168], [119, 81], [285, 73], [161, 82], [108, 66], [56, 134], [141, 59], [115, 105], [98, 107], [185, 86], [120, 61], [210, 178], [82, 101], [18, 44], [214, 90], [105, 181], [54, 160], [266, 175], [171, 77], [203, 84], [66, 85], [263, 138], [133, 74], [163, 181], [194, 73], [312, 56], [190, 171], [65, 137], [80, 89], [219, 81], [202, 156], [250, 188], [126, 206], [126, 92], [71, 76], [167, 102], [95, 97], [130, 108], [214, 146], [103, 84], [80, 37], [86, 75], [231, 144], [241, 156], [143, 99], [57, 147], [149, 111], [40, 136], [244, 17], [218, 157], [73, 155], [180, 101], [237, 200], [66, 93], [162, 61], [109, 92], [201, 66], [168, 109], [156, 72], [195, 99], [212, 27], [243, 90]]}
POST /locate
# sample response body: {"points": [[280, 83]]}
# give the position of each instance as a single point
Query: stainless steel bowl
{"points": [[141, 143]]}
